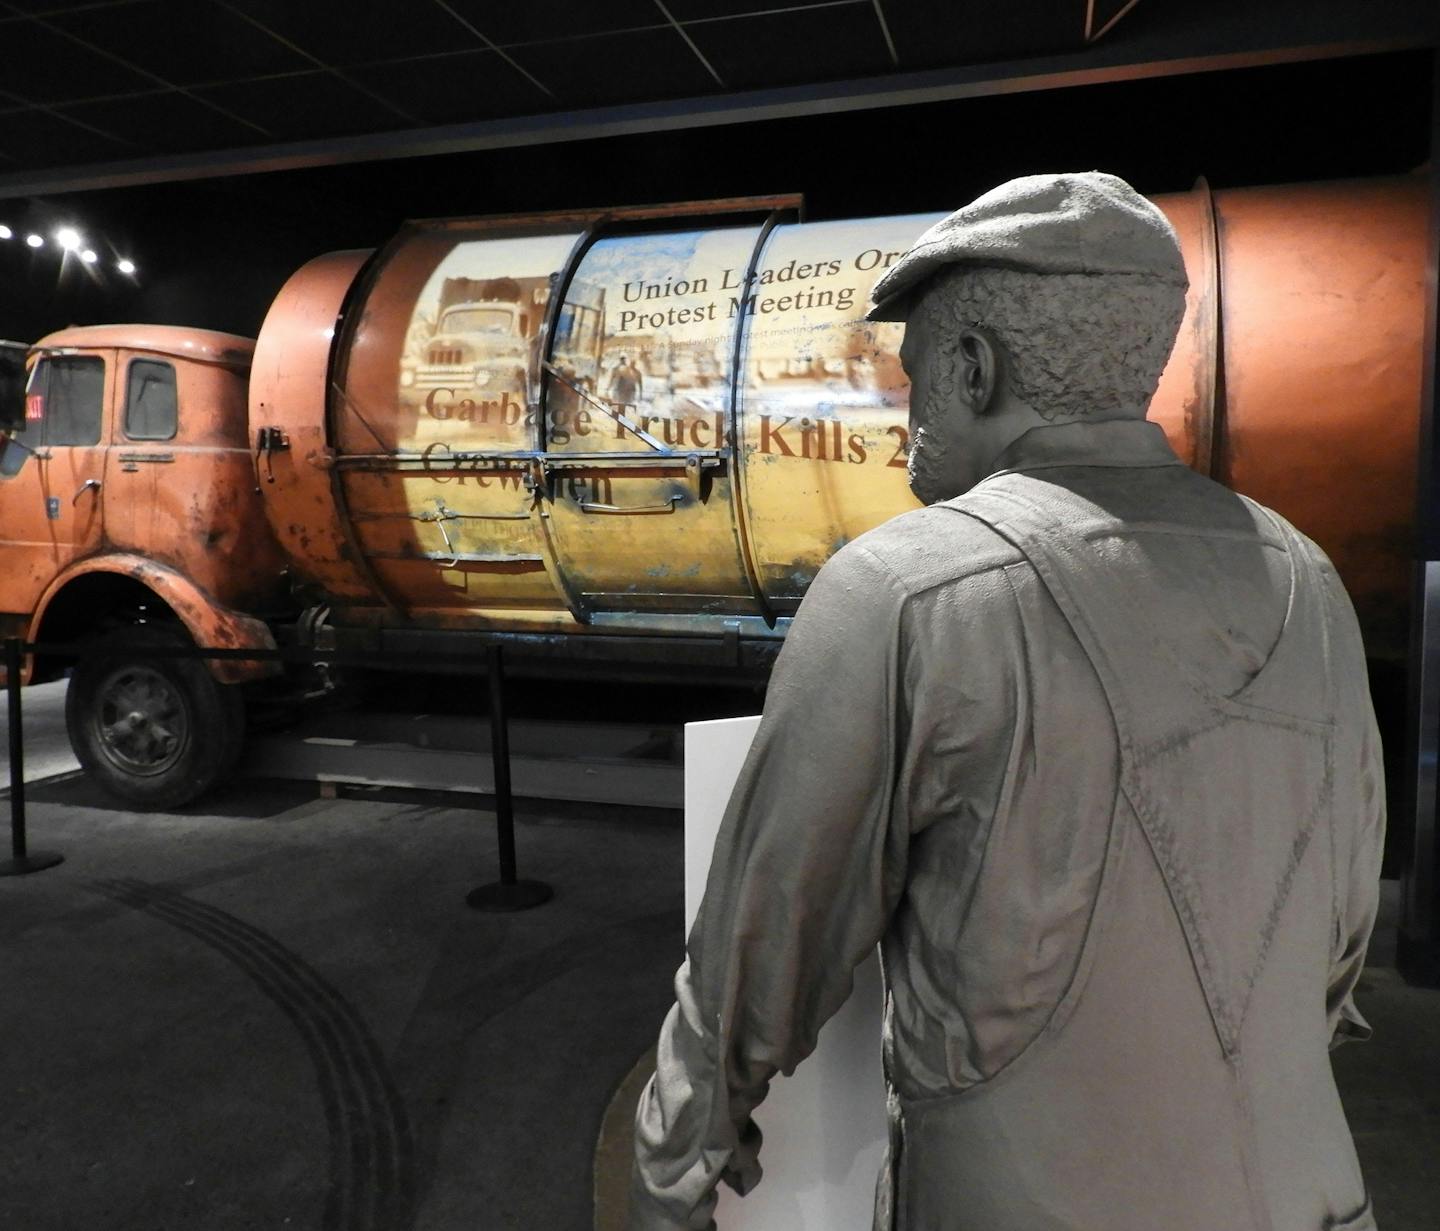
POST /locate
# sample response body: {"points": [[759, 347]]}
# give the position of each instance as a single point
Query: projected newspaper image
{"points": [[471, 351]]}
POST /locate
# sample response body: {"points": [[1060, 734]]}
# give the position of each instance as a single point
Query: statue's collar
{"points": [[1111, 442]]}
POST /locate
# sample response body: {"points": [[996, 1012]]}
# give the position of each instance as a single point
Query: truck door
{"points": [[143, 455], [433, 419], [638, 424], [51, 476]]}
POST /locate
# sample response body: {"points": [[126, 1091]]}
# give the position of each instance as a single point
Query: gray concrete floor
{"points": [[47, 748], [275, 1011]]}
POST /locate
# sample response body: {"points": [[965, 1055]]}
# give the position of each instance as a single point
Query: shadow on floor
{"points": [[257, 799], [291, 1020]]}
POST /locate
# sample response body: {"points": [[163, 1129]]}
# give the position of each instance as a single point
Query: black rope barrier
{"points": [[509, 893]]}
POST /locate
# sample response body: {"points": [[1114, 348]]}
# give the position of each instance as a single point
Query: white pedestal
{"points": [[824, 1128]]}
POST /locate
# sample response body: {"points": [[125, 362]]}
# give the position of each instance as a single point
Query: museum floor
{"points": [[276, 1012]]}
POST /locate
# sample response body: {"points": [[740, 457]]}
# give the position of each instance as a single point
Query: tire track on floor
{"points": [[371, 1183]]}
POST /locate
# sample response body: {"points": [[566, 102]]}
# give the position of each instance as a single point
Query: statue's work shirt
{"points": [[1090, 752]]}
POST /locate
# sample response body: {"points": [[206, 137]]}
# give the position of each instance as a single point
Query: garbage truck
{"points": [[617, 436]]}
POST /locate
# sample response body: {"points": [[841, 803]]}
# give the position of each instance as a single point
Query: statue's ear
{"points": [[979, 369]]}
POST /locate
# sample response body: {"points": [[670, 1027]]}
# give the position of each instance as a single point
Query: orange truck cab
{"points": [[129, 519]]}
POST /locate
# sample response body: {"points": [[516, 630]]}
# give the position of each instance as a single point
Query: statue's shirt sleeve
{"points": [[1358, 831], [808, 866]]}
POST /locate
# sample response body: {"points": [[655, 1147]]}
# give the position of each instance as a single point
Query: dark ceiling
{"points": [[94, 80], [194, 100]]}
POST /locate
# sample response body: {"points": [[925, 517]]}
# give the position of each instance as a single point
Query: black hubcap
{"points": [[141, 720]]}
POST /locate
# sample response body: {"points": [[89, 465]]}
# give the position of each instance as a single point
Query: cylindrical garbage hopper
{"points": [[601, 424]]}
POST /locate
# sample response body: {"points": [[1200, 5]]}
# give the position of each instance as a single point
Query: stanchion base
{"points": [[36, 861], [521, 895]]}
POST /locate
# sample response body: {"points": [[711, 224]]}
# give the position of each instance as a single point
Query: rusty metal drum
{"points": [[608, 424]]}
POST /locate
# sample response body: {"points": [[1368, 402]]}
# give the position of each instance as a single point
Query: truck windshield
{"points": [[478, 320], [64, 397]]}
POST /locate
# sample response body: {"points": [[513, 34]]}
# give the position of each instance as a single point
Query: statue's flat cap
{"points": [[1083, 222]]}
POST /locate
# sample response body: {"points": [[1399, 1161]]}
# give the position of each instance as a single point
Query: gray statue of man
{"points": [[1086, 746]]}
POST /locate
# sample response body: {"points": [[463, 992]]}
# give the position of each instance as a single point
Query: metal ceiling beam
{"points": [[1200, 40]]}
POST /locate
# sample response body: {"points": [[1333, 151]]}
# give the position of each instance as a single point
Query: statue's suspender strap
{"points": [[1279, 724]]}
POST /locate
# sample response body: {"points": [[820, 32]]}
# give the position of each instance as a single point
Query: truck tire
{"points": [[158, 732]]}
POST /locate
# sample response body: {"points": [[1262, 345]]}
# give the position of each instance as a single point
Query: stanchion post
{"points": [[22, 860], [500, 759], [508, 893]]}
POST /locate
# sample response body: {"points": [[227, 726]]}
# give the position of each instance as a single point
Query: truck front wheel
{"points": [[158, 732]]}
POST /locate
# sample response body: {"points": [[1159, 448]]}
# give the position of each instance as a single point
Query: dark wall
{"points": [[214, 253]]}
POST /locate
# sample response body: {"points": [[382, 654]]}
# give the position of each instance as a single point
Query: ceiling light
{"points": [[5, 232], [34, 241], [68, 238], [125, 267], [88, 256]]}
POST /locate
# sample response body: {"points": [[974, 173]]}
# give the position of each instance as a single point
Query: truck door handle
{"points": [[668, 506], [85, 487]]}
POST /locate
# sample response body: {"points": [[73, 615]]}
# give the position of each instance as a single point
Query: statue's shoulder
{"points": [[1271, 524], [932, 547]]}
